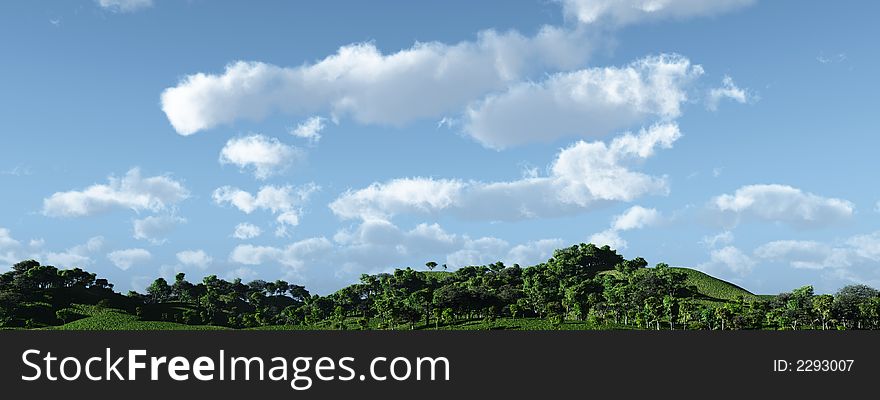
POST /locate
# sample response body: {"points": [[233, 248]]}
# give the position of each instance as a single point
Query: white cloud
{"points": [[583, 175], [283, 201], [125, 6], [8, 247], [76, 256], [6, 239], [636, 217], [310, 129], [125, 259], [154, 228], [609, 237], [804, 254], [533, 252], [266, 156], [783, 204], [131, 191], [852, 260], [616, 13], [721, 239], [728, 90], [246, 231], [12, 251], [196, 258], [588, 103], [378, 245], [295, 255], [728, 259], [428, 80]]}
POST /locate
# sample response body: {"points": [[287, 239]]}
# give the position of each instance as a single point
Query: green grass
{"points": [[98, 319], [714, 288]]}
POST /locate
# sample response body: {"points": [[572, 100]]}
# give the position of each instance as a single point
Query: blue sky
{"points": [[315, 141]]}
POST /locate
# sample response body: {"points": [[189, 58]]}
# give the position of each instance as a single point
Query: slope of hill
{"points": [[714, 288], [98, 319]]}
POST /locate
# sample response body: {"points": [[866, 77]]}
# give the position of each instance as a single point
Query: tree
{"points": [[822, 306], [431, 265], [159, 291]]}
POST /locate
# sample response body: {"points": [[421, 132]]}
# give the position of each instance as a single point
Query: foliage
{"points": [[580, 287]]}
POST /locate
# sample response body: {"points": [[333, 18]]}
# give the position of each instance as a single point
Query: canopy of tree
{"points": [[579, 283]]}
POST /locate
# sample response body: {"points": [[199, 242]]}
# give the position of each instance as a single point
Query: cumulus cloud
{"points": [[425, 81], [196, 258], [617, 13], [8, 247], [804, 254], [125, 259], [12, 251], [76, 256], [720, 239], [728, 90], [609, 237], [131, 191], [125, 6], [155, 228], [590, 102], [246, 231], [584, 175], [782, 204], [635, 217], [285, 202], [266, 156], [310, 129], [295, 255], [375, 245], [728, 259]]}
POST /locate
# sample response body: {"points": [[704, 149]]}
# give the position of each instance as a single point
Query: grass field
{"points": [[715, 288], [98, 319]]}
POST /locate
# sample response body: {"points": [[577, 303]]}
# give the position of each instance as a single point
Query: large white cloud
{"points": [[266, 156], [584, 175], [131, 191], [126, 258], [587, 103], [125, 6], [783, 204], [425, 81], [615, 13], [285, 202]]}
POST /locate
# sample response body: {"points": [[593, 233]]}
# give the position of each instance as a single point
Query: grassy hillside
{"points": [[98, 319], [714, 288]]}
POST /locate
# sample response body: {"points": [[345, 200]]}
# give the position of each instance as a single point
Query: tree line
{"points": [[584, 283]]}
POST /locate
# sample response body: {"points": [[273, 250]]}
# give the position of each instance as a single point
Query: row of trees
{"points": [[579, 283]]}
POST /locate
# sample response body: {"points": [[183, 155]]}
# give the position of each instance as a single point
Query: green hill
{"points": [[715, 289], [98, 319]]}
